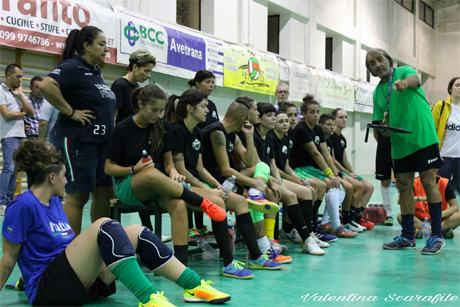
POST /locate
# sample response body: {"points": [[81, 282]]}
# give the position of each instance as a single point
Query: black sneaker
{"points": [[325, 237], [433, 246], [389, 221]]}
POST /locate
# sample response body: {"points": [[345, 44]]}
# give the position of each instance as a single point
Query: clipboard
{"points": [[384, 127]]}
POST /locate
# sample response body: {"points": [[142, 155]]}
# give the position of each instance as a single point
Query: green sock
{"points": [[130, 274], [189, 279]]}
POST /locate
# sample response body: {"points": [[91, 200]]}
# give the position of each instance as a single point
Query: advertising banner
{"points": [[250, 70], [335, 91], [302, 81], [45, 25], [363, 97], [179, 52]]}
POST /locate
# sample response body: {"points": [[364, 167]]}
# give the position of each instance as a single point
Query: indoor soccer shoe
{"points": [[19, 285], [263, 263], [279, 248], [448, 234], [433, 246], [205, 232], [353, 228], [388, 221], [193, 234], [292, 236], [325, 237], [318, 241], [358, 226], [275, 257], [157, 300], [342, 232], [235, 270], [261, 204], [418, 233], [214, 212], [205, 293], [311, 247], [400, 242], [326, 227], [365, 223]]}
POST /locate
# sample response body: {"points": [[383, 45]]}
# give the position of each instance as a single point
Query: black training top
{"points": [[339, 144], [188, 144], [303, 135], [330, 145], [123, 90], [211, 117], [209, 159], [280, 150], [128, 140], [84, 88], [263, 147]]}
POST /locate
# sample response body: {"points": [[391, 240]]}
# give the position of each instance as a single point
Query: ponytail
{"points": [[76, 39], [70, 45], [170, 111], [176, 109]]}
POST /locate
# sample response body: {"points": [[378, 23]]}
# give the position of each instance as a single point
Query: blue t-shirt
{"points": [[43, 231], [84, 88]]}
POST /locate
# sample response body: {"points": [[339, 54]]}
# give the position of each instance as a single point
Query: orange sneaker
{"points": [[275, 257], [342, 232], [214, 212], [365, 223], [326, 227]]}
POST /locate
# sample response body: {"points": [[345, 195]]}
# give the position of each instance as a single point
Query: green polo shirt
{"points": [[408, 110]]}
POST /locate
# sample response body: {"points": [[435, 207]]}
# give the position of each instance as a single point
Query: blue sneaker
{"points": [[433, 246], [263, 263], [448, 234], [325, 237], [261, 204], [400, 242], [235, 270]]}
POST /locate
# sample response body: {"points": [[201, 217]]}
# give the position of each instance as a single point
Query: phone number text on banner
{"points": [[250, 70], [44, 26], [178, 52]]}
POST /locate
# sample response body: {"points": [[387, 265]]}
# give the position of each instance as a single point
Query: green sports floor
{"points": [[354, 272]]}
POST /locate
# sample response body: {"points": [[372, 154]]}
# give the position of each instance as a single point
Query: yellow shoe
{"points": [[205, 293], [157, 300]]}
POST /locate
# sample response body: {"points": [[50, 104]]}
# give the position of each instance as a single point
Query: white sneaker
{"points": [[352, 227], [357, 225], [318, 241], [292, 236], [311, 247], [2, 210], [279, 248]]}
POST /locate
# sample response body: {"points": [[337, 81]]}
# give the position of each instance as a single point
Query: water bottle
{"points": [[229, 185], [306, 182], [185, 184], [206, 247], [426, 229], [231, 234], [145, 157]]}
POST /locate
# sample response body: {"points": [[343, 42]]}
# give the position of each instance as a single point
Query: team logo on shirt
{"points": [[268, 149], [284, 149], [230, 146], [214, 114], [196, 144], [61, 229], [316, 140], [329, 149], [56, 72], [342, 142], [9, 228], [105, 91], [453, 127], [290, 143]]}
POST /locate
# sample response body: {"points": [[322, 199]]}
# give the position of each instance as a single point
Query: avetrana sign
{"points": [[148, 35]]}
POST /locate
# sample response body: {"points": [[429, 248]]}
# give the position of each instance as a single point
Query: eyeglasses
{"points": [[282, 92]]}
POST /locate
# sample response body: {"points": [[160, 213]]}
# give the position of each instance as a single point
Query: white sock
{"points": [[264, 244], [332, 207], [254, 192], [386, 200], [341, 194], [326, 218]]}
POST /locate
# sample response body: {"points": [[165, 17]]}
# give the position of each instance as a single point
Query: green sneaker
{"points": [[418, 233], [389, 221], [205, 232], [193, 234]]}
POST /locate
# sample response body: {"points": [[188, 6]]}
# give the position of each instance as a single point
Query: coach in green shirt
{"points": [[399, 101]]}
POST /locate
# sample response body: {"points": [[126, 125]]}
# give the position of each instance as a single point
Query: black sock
{"points": [[199, 220], [436, 219], [145, 220], [352, 213], [220, 230], [295, 214], [307, 211], [190, 218], [244, 224], [346, 217], [181, 253], [315, 213], [287, 227], [359, 214], [191, 198]]}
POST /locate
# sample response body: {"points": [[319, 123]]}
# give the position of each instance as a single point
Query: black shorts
{"points": [[422, 160], [85, 164], [383, 169], [60, 286]]}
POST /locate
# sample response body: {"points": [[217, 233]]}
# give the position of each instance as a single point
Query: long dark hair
{"points": [[37, 159], [149, 95], [174, 113], [200, 76], [76, 39]]}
